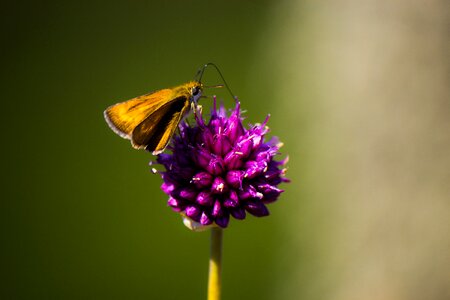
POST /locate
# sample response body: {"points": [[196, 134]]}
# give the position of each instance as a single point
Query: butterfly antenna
{"points": [[200, 72]]}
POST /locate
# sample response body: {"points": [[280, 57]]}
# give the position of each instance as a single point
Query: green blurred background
{"points": [[357, 90]]}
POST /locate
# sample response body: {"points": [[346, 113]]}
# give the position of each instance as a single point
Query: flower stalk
{"points": [[215, 264]]}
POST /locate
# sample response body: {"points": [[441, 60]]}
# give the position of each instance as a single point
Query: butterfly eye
{"points": [[195, 91]]}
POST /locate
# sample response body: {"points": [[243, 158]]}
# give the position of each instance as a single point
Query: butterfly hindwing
{"points": [[155, 131]]}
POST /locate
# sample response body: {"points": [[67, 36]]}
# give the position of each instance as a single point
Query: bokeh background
{"points": [[358, 91]]}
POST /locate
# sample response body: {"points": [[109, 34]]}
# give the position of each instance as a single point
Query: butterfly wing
{"points": [[154, 132], [124, 117]]}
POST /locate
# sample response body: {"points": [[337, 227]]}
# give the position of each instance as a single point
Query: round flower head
{"points": [[220, 169]]}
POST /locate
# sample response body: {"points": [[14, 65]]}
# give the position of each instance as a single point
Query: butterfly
{"points": [[149, 121]]}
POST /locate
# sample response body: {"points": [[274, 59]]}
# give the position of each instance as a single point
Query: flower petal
{"points": [[192, 211], [219, 186], [217, 209], [223, 220], [234, 178], [202, 179], [205, 219], [238, 213], [257, 209], [205, 198]]}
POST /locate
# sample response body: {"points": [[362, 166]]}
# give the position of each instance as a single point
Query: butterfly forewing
{"points": [[124, 117]]}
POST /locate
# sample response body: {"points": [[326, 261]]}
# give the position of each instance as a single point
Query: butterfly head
{"points": [[195, 89]]}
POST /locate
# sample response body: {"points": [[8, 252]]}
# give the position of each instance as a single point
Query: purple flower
{"points": [[220, 169]]}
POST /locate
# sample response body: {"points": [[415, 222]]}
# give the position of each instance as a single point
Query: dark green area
{"points": [[82, 217]]}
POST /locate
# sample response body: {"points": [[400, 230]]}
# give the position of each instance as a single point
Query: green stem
{"points": [[215, 264]]}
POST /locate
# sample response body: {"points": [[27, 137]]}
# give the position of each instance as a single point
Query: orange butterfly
{"points": [[149, 121]]}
